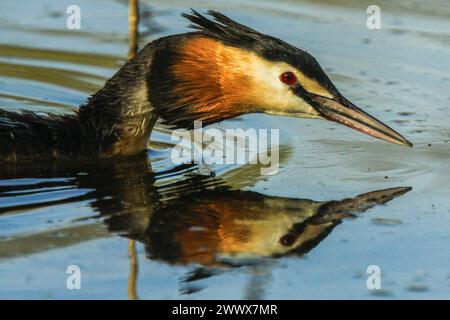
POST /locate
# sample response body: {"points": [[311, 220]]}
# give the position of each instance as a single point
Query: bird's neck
{"points": [[118, 119]]}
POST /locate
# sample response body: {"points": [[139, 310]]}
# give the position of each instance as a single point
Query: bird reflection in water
{"points": [[209, 226], [184, 218], [202, 222]]}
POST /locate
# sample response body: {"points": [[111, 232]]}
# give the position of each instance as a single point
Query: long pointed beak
{"points": [[344, 112]]}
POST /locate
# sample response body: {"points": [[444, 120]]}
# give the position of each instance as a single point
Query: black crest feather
{"points": [[221, 26], [231, 32]]}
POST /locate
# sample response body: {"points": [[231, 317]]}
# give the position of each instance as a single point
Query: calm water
{"points": [[341, 201]]}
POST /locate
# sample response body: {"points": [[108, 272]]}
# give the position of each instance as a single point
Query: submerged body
{"points": [[222, 70]]}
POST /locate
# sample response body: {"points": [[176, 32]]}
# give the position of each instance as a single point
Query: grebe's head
{"points": [[226, 69]]}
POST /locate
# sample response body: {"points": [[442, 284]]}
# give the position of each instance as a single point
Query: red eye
{"points": [[288, 78]]}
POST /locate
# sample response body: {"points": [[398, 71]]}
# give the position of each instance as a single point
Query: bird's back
{"points": [[26, 136]]}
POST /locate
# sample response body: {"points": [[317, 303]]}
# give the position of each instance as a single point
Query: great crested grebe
{"points": [[221, 70]]}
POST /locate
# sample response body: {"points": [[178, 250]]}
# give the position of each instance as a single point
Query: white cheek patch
{"points": [[274, 96], [271, 91], [270, 71]]}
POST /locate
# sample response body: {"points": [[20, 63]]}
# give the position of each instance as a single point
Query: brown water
{"points": [[303, 233]]}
